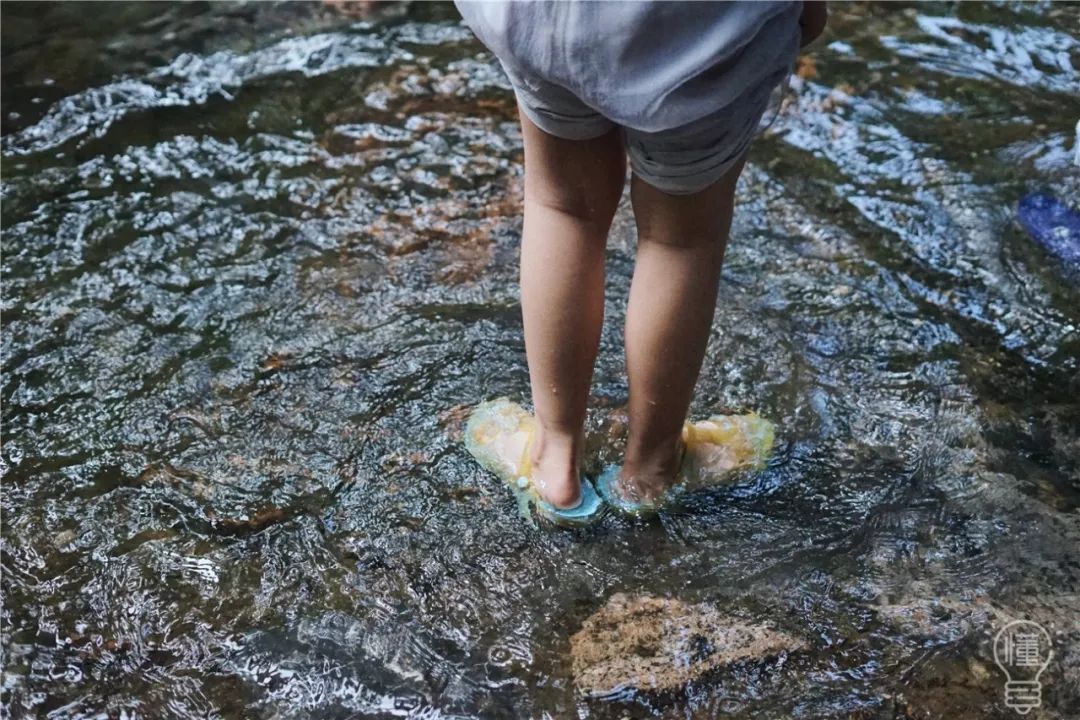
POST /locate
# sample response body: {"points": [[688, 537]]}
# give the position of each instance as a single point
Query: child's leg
{"points": [[681, 242], [572, 188]]}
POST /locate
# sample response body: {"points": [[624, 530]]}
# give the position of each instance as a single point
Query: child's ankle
{"points": [[557, 448], [661, 459], [556, 459]]}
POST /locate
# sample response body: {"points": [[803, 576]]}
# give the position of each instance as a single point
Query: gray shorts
{"points": [[680, 161]]}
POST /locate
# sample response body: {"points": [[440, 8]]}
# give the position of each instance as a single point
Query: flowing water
{"points": [[259, 260]]}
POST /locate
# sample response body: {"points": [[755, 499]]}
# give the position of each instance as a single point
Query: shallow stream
{"points": [[259, 259]]}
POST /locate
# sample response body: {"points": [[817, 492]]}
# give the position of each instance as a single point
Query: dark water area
{"points": [[260, 259]]}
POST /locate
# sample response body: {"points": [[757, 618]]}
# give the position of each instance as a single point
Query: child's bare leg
{"points": [[572, 188], [681, 242]]}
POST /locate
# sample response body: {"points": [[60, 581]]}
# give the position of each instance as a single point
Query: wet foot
{"points": [[553, 463], [705, 453], [644, 480], [556, 467]]}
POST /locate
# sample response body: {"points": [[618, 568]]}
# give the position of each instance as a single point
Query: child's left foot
{"points": [[504, 440], [552, 470]]}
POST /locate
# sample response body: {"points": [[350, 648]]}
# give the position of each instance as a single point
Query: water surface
{"points": [[258, 261]]}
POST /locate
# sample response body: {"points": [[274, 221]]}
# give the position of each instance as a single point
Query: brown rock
{"points": [[654, 644]]}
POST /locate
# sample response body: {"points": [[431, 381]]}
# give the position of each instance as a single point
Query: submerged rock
{"points": [[656, 644]]}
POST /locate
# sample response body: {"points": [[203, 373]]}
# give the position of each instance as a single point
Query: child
{"points": [[680, 87]]}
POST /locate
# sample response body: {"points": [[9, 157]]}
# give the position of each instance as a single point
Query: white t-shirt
{"points": [[650, 66]]}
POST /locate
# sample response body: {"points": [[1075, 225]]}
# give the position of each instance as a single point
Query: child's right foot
{"points": [[709, 452], [645, 482]]}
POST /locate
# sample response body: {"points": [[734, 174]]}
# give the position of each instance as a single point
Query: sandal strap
{"points": [[524, 466]]}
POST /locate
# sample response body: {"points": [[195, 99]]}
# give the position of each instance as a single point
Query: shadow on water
{"points": [[258, 261]]}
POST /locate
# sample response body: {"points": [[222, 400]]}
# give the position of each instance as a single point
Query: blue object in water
{"points": [[1054, 226]]}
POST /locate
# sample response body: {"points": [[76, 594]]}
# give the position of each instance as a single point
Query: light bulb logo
{"points": [[1022, 651]]}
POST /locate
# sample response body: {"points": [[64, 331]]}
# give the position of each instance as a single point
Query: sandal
{"points": [[486, 436], [715, 452]]}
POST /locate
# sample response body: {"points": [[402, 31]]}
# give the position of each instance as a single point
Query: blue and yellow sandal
{"points": [[715, 452], [489, 437]]}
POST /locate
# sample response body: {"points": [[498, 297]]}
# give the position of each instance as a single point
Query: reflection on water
{"points": [[259, 260]]}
